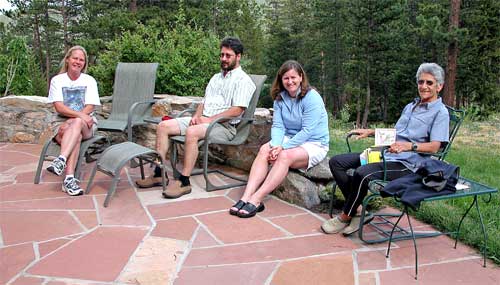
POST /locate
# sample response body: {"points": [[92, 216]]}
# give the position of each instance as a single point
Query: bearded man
{"points": [[227, 95]]}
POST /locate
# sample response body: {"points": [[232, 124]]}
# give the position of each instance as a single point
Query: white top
{"points": [[75, 94], [223, 92]]}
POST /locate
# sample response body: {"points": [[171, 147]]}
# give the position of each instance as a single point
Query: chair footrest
{"points": [[115, 157]]}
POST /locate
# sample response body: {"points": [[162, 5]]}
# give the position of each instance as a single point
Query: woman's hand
{"points": [[362, 133], [87, 119], [274, 152], [398, 147]]}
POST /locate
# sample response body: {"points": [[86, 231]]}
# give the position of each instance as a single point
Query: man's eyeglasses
{"points": [[228, 55], [428, 82]]}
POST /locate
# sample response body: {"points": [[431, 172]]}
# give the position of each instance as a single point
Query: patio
{"points": [[47, 237]]}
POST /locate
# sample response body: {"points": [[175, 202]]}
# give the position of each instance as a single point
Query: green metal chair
{"points": [[242, 132], [382, 222], [456, 119], [133, 93]]}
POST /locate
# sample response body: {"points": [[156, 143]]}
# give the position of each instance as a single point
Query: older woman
{"points": [[299, 137], [423, 127], [74, 95]]}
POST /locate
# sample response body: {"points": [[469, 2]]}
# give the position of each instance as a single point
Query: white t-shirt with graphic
{"points": [[74, 94]]}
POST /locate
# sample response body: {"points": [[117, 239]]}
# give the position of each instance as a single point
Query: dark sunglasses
{"points": [[428, 82]]}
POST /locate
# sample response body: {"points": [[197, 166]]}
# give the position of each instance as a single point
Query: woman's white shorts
{"points": [[315, 150]]}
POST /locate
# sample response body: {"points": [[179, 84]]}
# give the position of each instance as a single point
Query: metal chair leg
{"points": [[164, 178], [43, 154], [111, 190], [461, 220], [414, 242], [330, 210], [174, 156], [141, 165], [208, 184], [482, 227], [392, 233], [91, 178]]}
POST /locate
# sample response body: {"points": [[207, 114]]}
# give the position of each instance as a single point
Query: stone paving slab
{"points": [[244, 274], [28, 226], [459, 272], [14, 259], [100, 255], [270, 250], [49, 238], [331, 269], [229, 229]]}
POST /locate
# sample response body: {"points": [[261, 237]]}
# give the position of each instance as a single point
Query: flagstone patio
{"points": [[47, 237]]}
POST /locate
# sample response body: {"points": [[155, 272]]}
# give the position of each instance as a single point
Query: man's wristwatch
{"points": [[414, 146]]}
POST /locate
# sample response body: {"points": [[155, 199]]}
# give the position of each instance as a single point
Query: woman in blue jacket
{"points": [[299, 137]]}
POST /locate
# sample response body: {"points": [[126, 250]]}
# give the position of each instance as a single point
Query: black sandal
{"points": [[239, 205], [251, 210]]}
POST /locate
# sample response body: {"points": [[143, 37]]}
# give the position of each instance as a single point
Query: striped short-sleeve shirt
{"points": [[223, 92]]}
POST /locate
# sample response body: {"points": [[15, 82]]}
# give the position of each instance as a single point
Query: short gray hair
{"points": [[432, 68]]}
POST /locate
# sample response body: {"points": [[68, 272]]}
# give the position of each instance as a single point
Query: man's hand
{"points": [[195, 120], [398, 147], [362, 133]]}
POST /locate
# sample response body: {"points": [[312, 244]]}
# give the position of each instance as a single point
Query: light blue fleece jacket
{"points": [[302, 120]]}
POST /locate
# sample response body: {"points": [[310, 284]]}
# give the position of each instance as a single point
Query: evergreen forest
{"points": [[361, 55]]}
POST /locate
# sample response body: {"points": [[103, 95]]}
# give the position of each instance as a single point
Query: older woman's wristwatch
{"points": [[414, 146]]}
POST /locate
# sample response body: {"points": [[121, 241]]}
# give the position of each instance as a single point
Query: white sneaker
{"points": [[70, 186], [333, 226], [354, 224], [57, 166]]}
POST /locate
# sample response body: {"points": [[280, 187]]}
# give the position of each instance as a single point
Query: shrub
{"points": [[187, 58], [19, 73]]}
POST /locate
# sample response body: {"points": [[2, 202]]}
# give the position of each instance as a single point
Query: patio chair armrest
{"points": [[348, 136], [245, 119], [218, 120], [382, 152], [386, 148], [134, 106], [130, 115], [188, 110], [191, 109]]}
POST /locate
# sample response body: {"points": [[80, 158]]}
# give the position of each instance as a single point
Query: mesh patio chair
{"points": [[242, 132], [133, 93]]}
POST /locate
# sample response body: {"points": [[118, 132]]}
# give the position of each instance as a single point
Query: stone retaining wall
{"points": [[30, 119]]}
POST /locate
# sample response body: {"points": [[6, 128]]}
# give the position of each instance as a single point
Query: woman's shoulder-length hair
{"points": [[278, 87]]}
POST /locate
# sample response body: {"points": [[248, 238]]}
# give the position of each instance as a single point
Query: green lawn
{"points": [[477, 151]]}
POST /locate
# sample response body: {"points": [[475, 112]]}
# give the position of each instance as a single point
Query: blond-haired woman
{"points": [[74, 95]]}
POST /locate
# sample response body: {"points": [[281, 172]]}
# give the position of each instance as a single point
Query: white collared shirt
{"points": [[223, 92]]}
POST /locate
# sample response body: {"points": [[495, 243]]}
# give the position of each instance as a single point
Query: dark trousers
{"points": [[354, 188]]}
